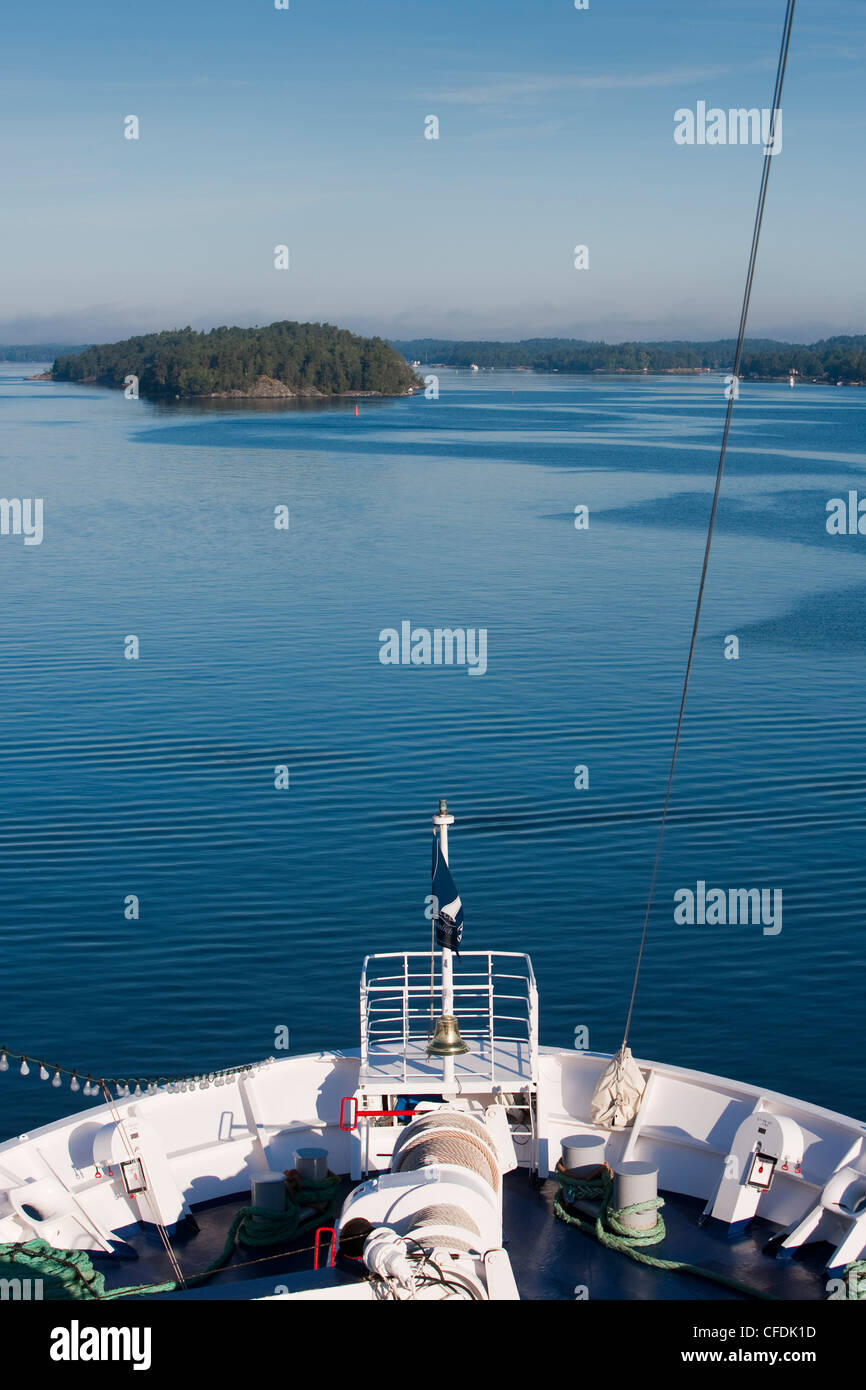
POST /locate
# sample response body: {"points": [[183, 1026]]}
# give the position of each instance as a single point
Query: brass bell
{"points": [[446, 1040]]}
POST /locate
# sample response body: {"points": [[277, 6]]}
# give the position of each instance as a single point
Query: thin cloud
{"points": [[513, 88]]}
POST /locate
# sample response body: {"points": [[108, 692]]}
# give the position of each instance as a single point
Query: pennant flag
{"points": [[447, 906]]}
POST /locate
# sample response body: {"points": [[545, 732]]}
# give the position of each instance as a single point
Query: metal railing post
{"points": [[405, 1012], [490, 1011], [533, 1028]]}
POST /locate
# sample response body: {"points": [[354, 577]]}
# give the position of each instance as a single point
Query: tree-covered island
{"points": [[284, 359]]}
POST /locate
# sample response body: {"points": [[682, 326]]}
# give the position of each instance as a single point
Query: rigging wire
{"points": [[735, 372], [160, 1226]]}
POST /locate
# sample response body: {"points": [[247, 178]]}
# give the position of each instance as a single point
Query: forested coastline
{"points": [[289, 358], [283, 359], [829, 360], [35, 352]]}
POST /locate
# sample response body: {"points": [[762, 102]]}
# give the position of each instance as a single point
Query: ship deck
{"points": [[505, 1062], [551, 1261]]}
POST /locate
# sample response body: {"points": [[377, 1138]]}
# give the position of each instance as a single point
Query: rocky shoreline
{"points": [[265, 388]]}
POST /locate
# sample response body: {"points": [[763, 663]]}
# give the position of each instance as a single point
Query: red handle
{"points": [[357, 1114], [332, 1247]]}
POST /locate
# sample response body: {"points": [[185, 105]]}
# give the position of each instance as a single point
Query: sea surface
{"points": [[259, 647]]}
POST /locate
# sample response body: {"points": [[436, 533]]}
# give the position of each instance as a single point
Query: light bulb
{"points": [[43, 1073], [55, 1080], [74, 1084], [24, 1069], [4, 1062]]}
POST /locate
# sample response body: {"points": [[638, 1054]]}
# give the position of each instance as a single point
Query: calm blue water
{"points": [[260, 647]]}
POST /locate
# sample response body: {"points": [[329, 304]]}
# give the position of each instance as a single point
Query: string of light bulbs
{"points": [[90, 1085]]}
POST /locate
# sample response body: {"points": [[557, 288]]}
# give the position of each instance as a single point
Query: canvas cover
{"points": [[617, 1097]]}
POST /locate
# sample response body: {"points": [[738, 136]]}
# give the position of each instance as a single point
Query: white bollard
{"points": [[632, 1183], [583, 1155]]}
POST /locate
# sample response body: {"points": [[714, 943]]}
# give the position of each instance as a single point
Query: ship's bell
{"points": [[446, 1040]]}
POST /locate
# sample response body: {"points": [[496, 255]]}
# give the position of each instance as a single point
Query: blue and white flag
{"points": [[447, 907]]}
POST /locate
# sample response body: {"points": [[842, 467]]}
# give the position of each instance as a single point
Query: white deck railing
{"points": [[495, 1002]]}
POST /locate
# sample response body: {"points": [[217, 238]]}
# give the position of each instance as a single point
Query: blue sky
{"points": [[306, 127]]}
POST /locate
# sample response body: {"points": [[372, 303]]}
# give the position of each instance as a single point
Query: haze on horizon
{"points": [[305, 127]]}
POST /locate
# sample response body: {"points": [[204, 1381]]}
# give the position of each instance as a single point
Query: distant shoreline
{"points": [[313, 394], [288, 359], [829, 360], [639, 372]]}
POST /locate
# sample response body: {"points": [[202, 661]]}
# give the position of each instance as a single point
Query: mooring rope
{"points": [[612, 1230]]}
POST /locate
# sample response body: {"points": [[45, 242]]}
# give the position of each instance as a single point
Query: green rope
{"points": [[69, 1274], [610, 1230], [64, 1274], [609, 1227]]}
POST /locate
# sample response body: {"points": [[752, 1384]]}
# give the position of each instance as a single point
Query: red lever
{"points": [[357, 1114]]}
